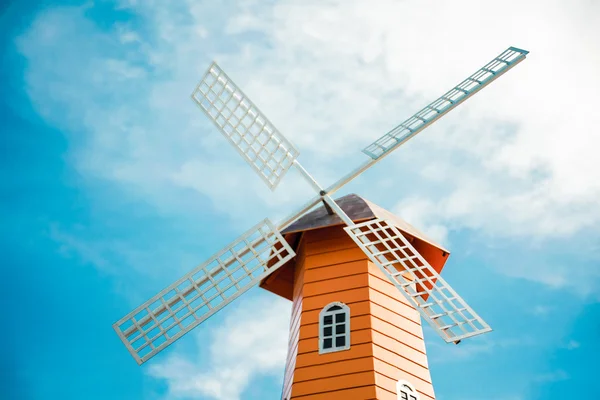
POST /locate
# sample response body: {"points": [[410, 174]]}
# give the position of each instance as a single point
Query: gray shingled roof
{"points": [[358, 209]]}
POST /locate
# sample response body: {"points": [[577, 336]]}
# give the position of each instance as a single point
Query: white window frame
{"points": [[324, 313], [407, 389]]}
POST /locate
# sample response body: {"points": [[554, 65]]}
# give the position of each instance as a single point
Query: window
{"points": [[406, 391], [334, 328]]}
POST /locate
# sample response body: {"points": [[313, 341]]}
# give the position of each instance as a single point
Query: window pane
{"points": [[340, 328], [327, 331], [328, 319], [340, 341], [334, 308], [327, 344], [340, 317]]}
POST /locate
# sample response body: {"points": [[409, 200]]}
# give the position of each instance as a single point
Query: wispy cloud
{"points": [[139, 264], [333, 76], [250, 343], [540, 310]]}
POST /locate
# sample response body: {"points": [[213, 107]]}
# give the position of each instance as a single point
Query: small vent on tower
{"points": [[334, 328]]}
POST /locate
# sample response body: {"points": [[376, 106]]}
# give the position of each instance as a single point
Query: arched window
{"points": [[406, 391], [334, 328]]}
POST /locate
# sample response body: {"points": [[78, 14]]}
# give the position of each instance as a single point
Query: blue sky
{"points": [[113, 184]]}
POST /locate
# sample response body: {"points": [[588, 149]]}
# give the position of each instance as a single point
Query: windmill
{"points": [[394, 250]]}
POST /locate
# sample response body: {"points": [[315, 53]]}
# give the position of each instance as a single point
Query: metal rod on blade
{"points": [[297, 214], [329, 202], [338, 210], [311, 181]]}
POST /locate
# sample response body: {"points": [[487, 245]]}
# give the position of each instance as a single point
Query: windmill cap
{"points": [[281, 282], [358, 209]]}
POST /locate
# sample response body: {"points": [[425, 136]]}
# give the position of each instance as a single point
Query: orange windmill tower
{"points": [[360, 279]]}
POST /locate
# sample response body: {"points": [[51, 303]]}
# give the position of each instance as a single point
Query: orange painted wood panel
{"points": [[393, 304], [331, 384], [298, 281], [298, 286], [377, 273], [336, 271], [401, 363], [333, 369], [365, 392], [395, 331], [385, 286], [396, 346], [332, 244], [324, 234], [394, 373], [383, 394], [346, 297], [334, 258], [281, 282], [356, 309], [336, 285], [408, 325], [434, 256], [389, 385]]}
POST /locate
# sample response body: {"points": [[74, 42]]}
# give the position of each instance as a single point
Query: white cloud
{"points": [[251, 342], [540, 310], [125, 259], [518, 160]]}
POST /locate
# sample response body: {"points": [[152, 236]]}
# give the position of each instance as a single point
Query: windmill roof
{"points": [[281, 282], [358, 209]]}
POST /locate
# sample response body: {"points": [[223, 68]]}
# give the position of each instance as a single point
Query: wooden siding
{"points": [[386, 335]]}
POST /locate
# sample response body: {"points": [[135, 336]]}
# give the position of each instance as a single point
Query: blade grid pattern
{"points": [[203, 291], [437, 302], [451, 99], [268, 152]]}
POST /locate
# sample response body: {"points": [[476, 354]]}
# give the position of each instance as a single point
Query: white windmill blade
{"points": [[450, 100], [267, 151], [414, 277], [199, 294]]}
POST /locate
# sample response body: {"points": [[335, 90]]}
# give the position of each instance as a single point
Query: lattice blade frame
{"points": [[199, 294], [447, 102], [414, 277], [267, 151]]}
